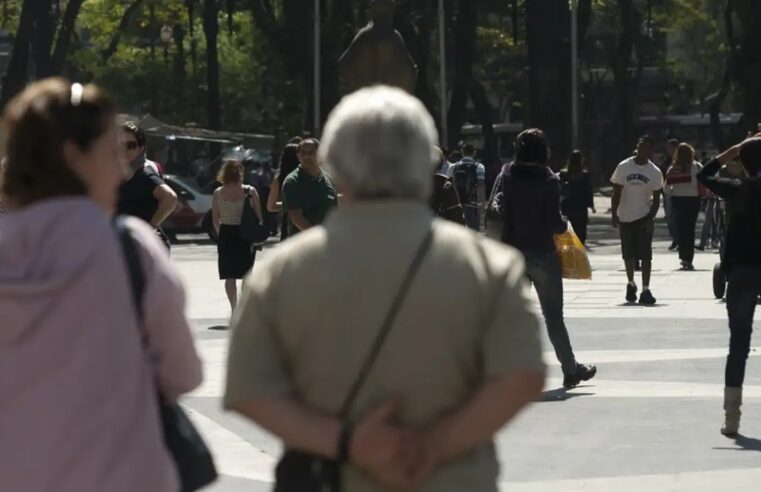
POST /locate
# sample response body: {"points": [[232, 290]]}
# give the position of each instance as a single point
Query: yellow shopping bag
{"points": [[573, 256]]}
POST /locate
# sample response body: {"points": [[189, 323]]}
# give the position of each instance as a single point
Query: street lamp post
{"points": [[575, 73], [443, 73], [317, 91]]}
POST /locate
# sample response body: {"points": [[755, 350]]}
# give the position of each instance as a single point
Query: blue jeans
{"points": [[544, 272], [742, 293]]}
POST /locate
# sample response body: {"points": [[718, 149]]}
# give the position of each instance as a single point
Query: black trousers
{"points": [[686, 209], [742, 294]]}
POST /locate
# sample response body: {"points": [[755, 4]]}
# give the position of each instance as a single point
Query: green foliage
{"points": [[684, 38], [144, 74], [698, 49]]}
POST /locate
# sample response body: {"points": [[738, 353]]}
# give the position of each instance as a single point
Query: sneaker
{"points": [[674, 246], [584, 372], [700, 247], [647, 299], [631, 293], [689, 267]]}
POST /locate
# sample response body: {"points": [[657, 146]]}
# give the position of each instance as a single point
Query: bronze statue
{"points": [[378, 55]]}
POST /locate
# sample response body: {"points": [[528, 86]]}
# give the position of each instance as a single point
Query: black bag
{"points": [[302, 472], [193, 459], [465, 177], [251, 230]]}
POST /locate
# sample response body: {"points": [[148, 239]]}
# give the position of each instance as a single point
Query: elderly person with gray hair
{"points": [[351, 345]]}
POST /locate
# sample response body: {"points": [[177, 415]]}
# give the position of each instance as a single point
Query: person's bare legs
{"points": [[231, 287]]}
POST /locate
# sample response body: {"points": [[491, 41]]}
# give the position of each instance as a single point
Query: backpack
{"points": [[465, 177]]}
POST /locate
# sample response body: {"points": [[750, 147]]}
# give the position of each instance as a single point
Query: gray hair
{"points": [[379, 143]]}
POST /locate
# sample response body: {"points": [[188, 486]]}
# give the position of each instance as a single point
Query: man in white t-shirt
{"points": [[637, 185]]}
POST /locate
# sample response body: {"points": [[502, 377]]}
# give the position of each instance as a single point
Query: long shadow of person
{"points": [[743, 443], [748, 443], [559, 394]]}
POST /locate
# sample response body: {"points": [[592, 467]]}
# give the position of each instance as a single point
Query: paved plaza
{"points": [[648, 422]]}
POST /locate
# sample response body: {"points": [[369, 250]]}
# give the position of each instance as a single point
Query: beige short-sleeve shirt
{"points": [[309, 316]]}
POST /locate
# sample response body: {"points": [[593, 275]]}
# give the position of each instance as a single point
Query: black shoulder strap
{"points": [[388, 323], [134, 268]]}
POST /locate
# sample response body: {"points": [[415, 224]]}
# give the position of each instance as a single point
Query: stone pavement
{"points": [[649, 421]]}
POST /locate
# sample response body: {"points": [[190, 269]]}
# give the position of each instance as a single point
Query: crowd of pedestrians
{"points": [[377, 270]]}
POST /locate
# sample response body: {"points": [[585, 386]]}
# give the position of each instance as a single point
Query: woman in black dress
{"points": [[236, 255], [289, 161], [578, 194]]}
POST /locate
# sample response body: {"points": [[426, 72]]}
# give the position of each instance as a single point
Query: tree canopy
{"points": [[246, 65]]}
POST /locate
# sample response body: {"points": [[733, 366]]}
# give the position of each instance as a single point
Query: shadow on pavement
{"points": [[744, 443], [559, 394], [643, 306], [748, 443]]}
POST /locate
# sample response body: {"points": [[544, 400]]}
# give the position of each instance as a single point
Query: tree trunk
{"points": [[290, 36], [180, 70], [621, 142], [153, 31], [129, 14], [63, 41], [548, 39], [336, 33], [42, 40], [747, 70], [716, 101], [417, 37], [18, 66], [211, 31], [485, 113], [464, 58]]}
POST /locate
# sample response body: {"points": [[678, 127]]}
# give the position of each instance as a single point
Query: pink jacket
{"points": [[77, 391]]}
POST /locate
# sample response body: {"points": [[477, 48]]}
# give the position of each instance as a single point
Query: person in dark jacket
{"points": [[445, 202], [530, 205], [578, 194], [742, 262]]}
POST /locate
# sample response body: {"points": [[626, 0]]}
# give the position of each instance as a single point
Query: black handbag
{"points": [[192, 457], [303, 472], [251, 230]]}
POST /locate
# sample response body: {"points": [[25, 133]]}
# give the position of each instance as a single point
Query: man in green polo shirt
{"points": [[308, 192]]}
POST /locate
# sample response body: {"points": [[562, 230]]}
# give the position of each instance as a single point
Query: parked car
{"points": [[192, 215]]}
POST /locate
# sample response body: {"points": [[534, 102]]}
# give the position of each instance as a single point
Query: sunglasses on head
{"points": [[131, 145]]}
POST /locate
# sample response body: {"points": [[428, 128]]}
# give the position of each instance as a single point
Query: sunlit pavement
{"points": [[648, 422]]}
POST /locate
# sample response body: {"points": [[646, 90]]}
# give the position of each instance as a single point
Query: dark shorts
{"points": [[637, 239]]}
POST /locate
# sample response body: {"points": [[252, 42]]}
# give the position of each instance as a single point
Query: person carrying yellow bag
{"points": [[528, 200], [573, 256]]}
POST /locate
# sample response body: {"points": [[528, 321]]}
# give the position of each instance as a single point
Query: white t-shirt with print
{"points": [[639, 183]]}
